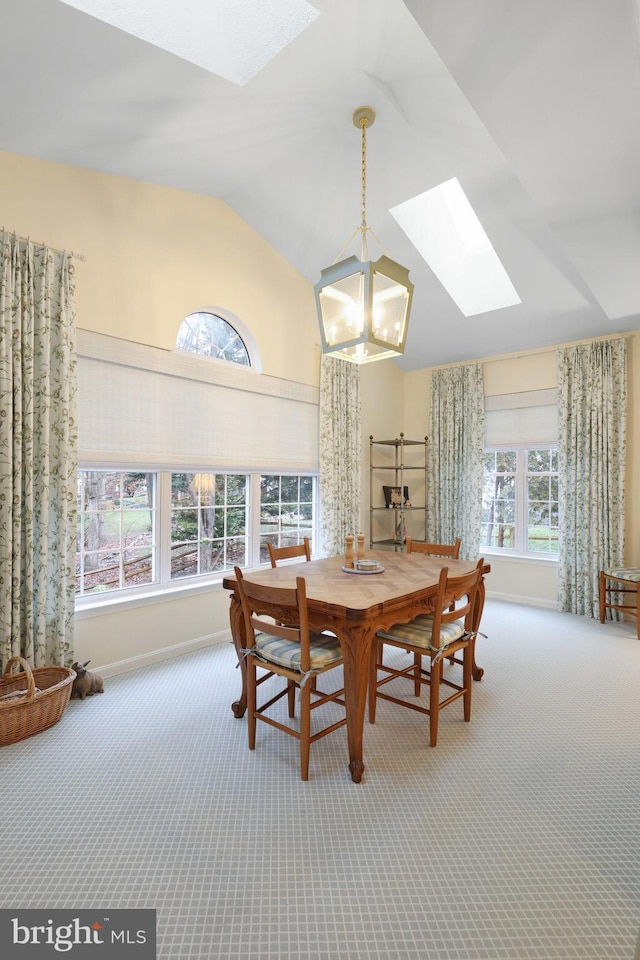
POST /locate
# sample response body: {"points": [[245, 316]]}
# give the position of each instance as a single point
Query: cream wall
{"points": [[154, 254]]}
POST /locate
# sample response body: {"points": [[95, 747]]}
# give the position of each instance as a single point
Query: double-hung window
{"points": [[520, 485], [520, 500]]}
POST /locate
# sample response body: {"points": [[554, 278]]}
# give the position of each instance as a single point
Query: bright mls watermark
{"points": [[100, 933]]}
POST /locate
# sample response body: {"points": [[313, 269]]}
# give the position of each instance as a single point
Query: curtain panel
{"points": [[38, 439], [340, 453], [592, 412], [456, 457]]}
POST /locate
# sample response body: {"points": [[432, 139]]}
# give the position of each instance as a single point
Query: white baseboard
{"points": [[527, 601], [164, 653]]}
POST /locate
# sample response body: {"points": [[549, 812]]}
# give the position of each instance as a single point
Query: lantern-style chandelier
{"points": [[363, 306]]}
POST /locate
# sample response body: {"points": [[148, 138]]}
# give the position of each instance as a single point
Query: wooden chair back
{"points": [[449, 550], [288, 553], [456, 598], [284, 605]]}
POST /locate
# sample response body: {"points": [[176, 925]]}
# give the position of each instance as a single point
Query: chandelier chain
{"points": [[363, 124]]}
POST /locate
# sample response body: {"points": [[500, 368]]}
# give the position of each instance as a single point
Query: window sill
{"points": [[98, 606], [550, 560]]}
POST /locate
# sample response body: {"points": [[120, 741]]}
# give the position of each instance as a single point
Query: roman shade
{"points": [[144, 407]]}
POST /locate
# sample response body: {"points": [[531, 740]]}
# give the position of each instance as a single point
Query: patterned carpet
{"points": [[517, 838]]}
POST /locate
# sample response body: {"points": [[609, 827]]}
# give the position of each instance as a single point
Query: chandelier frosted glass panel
{"points": [[363, 305], [364, 309]]}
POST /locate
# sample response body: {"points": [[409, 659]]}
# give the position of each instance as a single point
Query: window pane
{"points": [[269, 489], [538, 512], [289, 489], [286, 510], [236, 552], [538, 460], [236, 488], [236, 521], [490, 461], [204, 486], [539, 488], [116, 530], [506, 461], [184, 560], [306, 489], [211, 555], [201, 537], [221, 490], [184, 525], [504, 511], [182, 490], [497, 535], [212, 336]]}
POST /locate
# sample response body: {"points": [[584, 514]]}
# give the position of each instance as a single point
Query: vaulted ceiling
{"points": [[534, 105]]}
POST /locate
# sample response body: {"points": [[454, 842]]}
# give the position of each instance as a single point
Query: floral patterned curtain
{"points": [[592, 413], [340, 453], [38, 440], [456, 457]]}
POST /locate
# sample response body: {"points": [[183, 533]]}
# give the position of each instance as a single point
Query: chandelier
{"points": [[363, 306]]}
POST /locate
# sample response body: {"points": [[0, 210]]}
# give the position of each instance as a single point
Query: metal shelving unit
{"points": [[398, 470]]}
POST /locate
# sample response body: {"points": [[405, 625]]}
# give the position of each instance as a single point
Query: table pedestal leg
{"points": [[356, 651], [477, 672], [238, 634]]}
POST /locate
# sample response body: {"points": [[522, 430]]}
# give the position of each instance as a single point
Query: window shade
{"points": [[529, 417], [143, 406]]}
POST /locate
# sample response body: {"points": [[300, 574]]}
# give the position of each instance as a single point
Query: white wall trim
{"points": [[164, 653], [525, 601]]}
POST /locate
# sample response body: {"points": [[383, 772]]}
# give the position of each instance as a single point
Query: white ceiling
{"points": [[534, 105]]}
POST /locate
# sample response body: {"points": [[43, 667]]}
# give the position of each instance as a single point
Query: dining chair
{"points": [[611, 590], [435, 635], [283, 645], [287, 553], [449, 550]]}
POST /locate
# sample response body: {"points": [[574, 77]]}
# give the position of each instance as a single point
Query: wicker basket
{"points": [[48, 691]]}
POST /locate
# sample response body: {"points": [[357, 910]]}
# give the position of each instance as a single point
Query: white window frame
{"points": [[521, 524], [164, 585]]}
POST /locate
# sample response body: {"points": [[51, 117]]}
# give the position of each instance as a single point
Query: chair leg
{"points": [[291, 697], [251, 701], [467, 664], [417, 673], [376, 653], [305, 730], [434, 700], [603, 589]]}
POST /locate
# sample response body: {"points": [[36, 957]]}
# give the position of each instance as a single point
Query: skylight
{"points": [[234, 39], [444, 228]]}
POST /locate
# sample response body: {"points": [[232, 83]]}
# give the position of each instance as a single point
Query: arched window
{"points": [[210, 335]]}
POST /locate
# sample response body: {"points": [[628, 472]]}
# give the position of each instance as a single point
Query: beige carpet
{"points": [[517, 838]]}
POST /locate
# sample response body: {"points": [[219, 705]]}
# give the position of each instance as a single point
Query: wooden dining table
{"points": [[355, 606]]}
